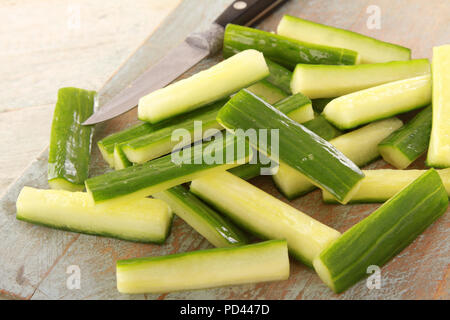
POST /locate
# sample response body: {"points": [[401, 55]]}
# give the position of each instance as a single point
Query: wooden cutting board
{"points": [[36, 262]]}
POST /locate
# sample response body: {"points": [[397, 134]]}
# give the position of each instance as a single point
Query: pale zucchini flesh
{"points": [[371, 50], [384, 101], [439, 149], [143, 220], [202, 218], [382, 184], [264, 261], [217, 82], [107, 144], [329, 81], [267, 91], [120, 159], [360, 146], [264, 215], [383, 234]]}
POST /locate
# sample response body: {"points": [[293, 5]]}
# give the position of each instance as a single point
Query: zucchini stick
{"points": [[203, 219], [383, 234], [299, 148], [382, 184], [143, 220], [70, 141], [285, 51], [265, 261], [264, 215], [406, 144]]}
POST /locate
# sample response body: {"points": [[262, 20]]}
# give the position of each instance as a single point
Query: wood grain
{"points": [[421, 271]]}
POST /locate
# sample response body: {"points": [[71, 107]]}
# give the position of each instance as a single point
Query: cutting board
{"points": [[39, 263]]}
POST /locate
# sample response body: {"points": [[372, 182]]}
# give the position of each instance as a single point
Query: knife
{"points": [[192, 50]]}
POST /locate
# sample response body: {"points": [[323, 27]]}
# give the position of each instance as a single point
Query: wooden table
{"points": [[82, 44]]}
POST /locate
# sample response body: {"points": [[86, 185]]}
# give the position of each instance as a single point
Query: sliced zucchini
{"points": [[166, 172], [299, 147], [383, 234], [439, 150], [107, 144], [285, 51], [279, 76], [322, 81], [264, 215], [406, 144], [320, 126], [298, 107], [162, 141], [267, 91], [370, 49], [380, 185], [70, 141], [264, 261], [379, 102], [360, 146], [205, 87], [201, 217], [143, 220], [120, 159]]}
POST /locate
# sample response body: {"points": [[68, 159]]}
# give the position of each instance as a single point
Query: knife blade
{"points": [[192, 50]]}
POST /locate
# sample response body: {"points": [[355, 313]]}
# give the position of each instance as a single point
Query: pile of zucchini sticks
{"points": [[331, 96]]}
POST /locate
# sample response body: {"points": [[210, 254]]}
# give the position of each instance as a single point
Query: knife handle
{"points": [[247, 12]]}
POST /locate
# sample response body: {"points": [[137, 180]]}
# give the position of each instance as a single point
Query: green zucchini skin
{"points": [[145, 220], [159, 142], [203, 219], [279, 76], [381, 184], [285, 51], [406, 144], [107, 144], [247, 171], [320, 126], [299, 147], [370, 49], [160, 174], [320, 104], [384, 233], [360, 146], [70, 141], [264, 261]]}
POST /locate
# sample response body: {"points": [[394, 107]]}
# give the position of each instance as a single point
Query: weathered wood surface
{"points": [[34, 259]]}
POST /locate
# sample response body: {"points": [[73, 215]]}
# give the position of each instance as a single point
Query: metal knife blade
{"points": [[173, 64], [192, 50]]}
